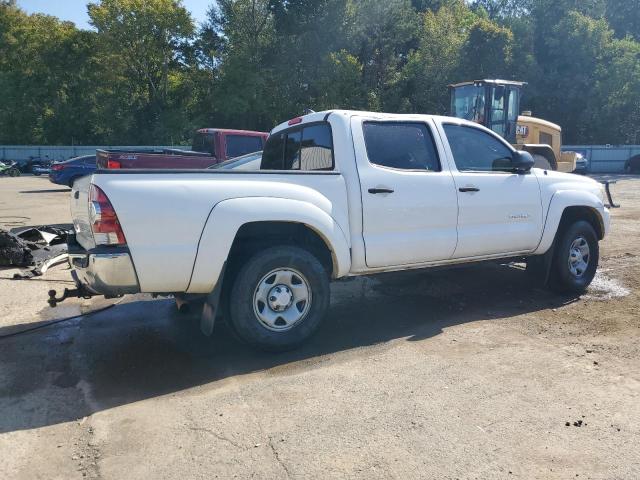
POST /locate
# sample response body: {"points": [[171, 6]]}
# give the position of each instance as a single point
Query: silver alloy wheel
{"points": [[282, 299], [579, 256]]}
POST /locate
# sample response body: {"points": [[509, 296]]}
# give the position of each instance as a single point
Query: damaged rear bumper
{"points": [[103, 270]]}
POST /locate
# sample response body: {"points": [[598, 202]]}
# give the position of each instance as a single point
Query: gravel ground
{"points": [[466, 373]]}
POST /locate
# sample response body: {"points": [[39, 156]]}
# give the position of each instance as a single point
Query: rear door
{"points": [[409, 201], [499, 211]]}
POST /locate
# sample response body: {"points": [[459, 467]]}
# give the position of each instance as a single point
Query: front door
{"points": [[499, 211], [409, 204]]}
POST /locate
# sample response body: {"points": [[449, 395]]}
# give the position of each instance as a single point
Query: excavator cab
{"points": [[492, 103]]}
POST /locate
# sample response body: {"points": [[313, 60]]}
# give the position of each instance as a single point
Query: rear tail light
{"points": [[57, 167], [113, 164], [104, 221]]}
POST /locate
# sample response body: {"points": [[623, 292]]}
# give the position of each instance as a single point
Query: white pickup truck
{"points": [[339, 193]]}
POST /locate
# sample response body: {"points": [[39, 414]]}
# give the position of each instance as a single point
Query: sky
{"points": [[76, 10]]}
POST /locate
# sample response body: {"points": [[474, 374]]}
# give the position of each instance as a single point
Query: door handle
{"points": [[380, 190], [468, 189]]}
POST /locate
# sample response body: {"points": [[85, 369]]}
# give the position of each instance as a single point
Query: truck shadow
{"points": [[143, 349]]}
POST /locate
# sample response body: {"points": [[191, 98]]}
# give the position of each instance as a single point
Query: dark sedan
{"points": [[65, 173]]}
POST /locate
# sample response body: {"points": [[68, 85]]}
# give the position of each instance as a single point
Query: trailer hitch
{"points": [[79, 292], [609, 197]]}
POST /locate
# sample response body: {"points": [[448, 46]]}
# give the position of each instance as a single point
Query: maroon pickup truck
{"points": [[210, 146]]}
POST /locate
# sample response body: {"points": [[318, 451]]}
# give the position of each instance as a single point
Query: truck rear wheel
{"points": [[575, 258], [278, 298]]}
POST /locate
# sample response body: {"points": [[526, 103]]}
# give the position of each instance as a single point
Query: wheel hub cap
{"points": [[579, 255], [281, 299]]}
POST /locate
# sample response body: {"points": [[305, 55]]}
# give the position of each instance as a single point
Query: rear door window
{"points": [[306, 148], [238, 145], [401, 145]]}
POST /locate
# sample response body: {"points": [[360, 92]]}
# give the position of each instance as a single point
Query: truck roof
{"points": [[322, 116], [231, 131]]}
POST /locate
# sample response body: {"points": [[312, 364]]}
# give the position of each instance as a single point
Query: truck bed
{"points": [[164, 212]]}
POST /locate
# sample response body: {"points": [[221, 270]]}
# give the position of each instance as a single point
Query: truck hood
{"points": [[552, 181]]}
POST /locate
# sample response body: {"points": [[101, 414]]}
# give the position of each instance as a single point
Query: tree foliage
{"points": [[148, 74]]}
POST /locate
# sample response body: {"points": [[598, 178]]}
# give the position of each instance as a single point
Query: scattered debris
{"points": [[577, 423], [39, 247], [605, 288], [42, 269], [13, 251]]}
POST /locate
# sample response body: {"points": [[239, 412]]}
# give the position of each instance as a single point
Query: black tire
{"points": [[244, 308], [72, 181], [633, 165], [562, 278]]}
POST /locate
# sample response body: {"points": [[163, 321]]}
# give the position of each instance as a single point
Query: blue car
{"points": [[65, 173]]}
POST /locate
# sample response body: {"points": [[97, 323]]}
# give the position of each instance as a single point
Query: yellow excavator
{"points": [[496, 105]]}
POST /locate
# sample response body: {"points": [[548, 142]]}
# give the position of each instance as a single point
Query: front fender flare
{"points": [[557, 205], [226, 218]]}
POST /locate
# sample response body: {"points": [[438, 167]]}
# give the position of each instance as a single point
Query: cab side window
{"points": [[401, 145], [477, 151]]}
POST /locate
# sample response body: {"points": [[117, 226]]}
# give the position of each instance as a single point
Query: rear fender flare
{"points": [[228, 216]]}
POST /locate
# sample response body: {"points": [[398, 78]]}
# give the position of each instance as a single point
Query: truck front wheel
{"points": [[278, 298], [575, 258]]}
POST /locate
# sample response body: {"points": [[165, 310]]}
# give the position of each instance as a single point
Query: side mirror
{"points": [[522, 161]]}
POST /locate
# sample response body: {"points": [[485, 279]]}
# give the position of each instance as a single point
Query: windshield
{"points": [[468, 102]]}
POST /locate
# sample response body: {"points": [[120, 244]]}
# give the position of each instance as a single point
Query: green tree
{"points": [[45, 79], [242, 93], [503, 9], [624, 17], [436, 62], [487, 51], [143, 43], [382, 36], [341, 84]]}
